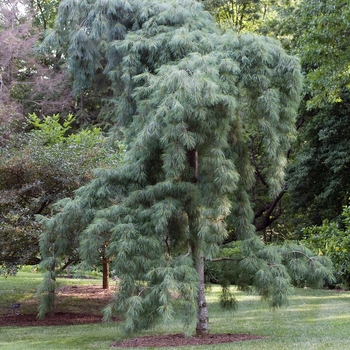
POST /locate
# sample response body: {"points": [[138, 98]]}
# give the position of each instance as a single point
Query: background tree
{"points": [[36, 169], [322, 39], [318, 181], [15, 43], [318, 177], [246, 15], [332, 239], [187, 98], [28, 83], [45, 12]]}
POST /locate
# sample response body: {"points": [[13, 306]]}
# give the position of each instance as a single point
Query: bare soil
{"points": [[158, 341], [88, 302], [59, 319]]}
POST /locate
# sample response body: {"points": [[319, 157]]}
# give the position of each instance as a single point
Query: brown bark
{"points": [[192, 157], [264, 217], [105, 271]]}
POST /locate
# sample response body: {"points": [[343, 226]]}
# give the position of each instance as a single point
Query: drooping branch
{"points": [[303, 254], [223, 259], [143, 290]]}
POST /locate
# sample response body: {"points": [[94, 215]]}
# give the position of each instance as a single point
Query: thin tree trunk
{"points": [[105, 271], [52, 294], [192, 157], [82, 102], [42, 14], [68, 268], [202, 328]]}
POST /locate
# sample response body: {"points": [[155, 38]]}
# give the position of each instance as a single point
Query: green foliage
{"points": [[8, 269], [332, 240], [269, 270], [243, 15], [51, 130], [322, 40], [319, 38], [322, 148], [189, 100], [45, 12], [36, 169]]}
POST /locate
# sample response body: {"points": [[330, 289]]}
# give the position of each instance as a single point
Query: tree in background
{"points": [[188, 100], [34, 81], [36, 169], [82, 57], [318, 176], [333, 239], [247, 15], [45, 12], [28, 83], [238, 15], [322, 40], [15, 43]]}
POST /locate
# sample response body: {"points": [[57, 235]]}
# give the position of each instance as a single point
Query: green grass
{"points": [[314, 319]]}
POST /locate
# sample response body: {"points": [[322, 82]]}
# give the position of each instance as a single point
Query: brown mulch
{"points": [[158, 341], [59, 319], [89, 300], [90, 292], [93, 298]]}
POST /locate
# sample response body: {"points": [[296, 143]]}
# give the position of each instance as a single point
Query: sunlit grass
{"points": [[314, 319]]}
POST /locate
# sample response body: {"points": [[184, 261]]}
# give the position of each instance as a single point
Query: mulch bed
{"points": [[60, 319], [91, 298], [158, 341]]}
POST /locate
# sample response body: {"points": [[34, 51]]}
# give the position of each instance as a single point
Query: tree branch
{"points": [[69, 262], [142, 290], [266, 212], [42, 14], [301, 253], [223, 259]]}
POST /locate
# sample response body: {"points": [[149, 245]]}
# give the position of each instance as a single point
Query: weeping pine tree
{"points": [[187, 99]]}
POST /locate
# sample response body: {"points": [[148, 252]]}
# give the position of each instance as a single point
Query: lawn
{"points": [[314, 319]]}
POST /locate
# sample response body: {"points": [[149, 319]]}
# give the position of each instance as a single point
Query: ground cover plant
{"points": [[314, 319]]}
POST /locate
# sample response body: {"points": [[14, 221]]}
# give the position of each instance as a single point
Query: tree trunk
{"points": [[68, 268], [105, 271], [202, 328], [192, 157]]}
